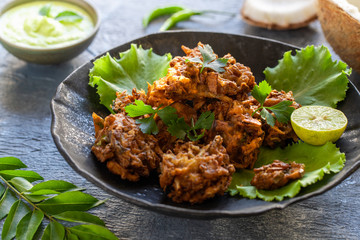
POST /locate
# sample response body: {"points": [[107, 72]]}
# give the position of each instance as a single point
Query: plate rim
{"points": [[170, 209]]}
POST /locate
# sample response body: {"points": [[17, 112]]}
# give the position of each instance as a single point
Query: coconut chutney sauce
{"points": [[25, 26]]}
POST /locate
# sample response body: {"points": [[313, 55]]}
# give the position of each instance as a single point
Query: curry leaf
{"points": [[311, 75], [80, 217], [17, 212], [6, 201], [54, 231], [90, 232], [56, 185], [135, 68], [21, 184], [31, 176], [68, 17], [11, 163], [68, 201], [28, 225]]}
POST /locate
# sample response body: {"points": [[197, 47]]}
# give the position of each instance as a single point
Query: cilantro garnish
{"points": [[176, 126], [282, 110], [209, 59]]}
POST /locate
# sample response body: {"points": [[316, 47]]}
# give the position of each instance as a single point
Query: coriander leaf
{"points": [[110, 75], [11, 163], [148, 125], [205, 120], [282, 111], [311, 75], [167, 114], [45, 10], [318, 160], [139, 108], [195, 137], [178, 128], [209, 59], [28, 225], [268, 117], [17, 211], [68, 17], [261, 91], [218, 65]]}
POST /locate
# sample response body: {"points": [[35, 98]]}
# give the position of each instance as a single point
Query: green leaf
{"points": [[21, 184], [56, 185], [54, 231], [11, 163], [178, 128], [68, 201], [139, 108], [28, 225], [90, 232], [311, 75], [6, 201], [2, 190], [80, 217], [17, 212], [134, 69], [148, 125], [45, 10], [209, 59], [43, 192], [167, 114], [318, 160], [68, 17], [31, 176], [71, 236], [261, 91], [266, 115], [282, 111], [205, 120]]}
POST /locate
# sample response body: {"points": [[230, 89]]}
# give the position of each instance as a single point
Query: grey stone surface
{"points": [[26, 91]]}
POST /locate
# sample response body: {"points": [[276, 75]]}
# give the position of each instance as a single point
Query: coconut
{"points": [[279, 14], [340, 21]]}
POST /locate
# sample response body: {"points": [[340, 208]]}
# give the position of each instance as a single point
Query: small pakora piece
{"points": [[277, 174], [193, 173], [127, 151]]}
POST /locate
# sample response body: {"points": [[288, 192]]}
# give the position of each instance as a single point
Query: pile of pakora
{"points": [[193, 171]]}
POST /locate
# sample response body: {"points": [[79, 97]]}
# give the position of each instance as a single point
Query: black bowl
{"points": [[73, 131]]}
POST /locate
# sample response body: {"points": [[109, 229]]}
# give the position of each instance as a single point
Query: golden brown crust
{"points": [[193, 173]]}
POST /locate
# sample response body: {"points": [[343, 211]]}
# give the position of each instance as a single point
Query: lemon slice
{"points": [[317, 125]]}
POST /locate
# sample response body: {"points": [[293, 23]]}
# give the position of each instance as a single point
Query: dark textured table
{"points": [[26, 91]]}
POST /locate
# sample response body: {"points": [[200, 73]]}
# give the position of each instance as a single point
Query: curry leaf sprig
{"points": [[64, 16], [282, 110], [176, 126], [25, 206], [209, 59]]}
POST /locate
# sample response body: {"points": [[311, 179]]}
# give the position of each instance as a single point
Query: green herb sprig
{"points": [[282, 110], [25, 206], [209, 59], [176, 126], [65, 16]]}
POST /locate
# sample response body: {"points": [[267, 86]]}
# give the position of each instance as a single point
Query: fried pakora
{"points": [[277, 174], [193, 173]]}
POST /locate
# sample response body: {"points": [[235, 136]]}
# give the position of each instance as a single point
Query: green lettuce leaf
{"points": [[311, 75], [318, 160], [134, 69]]}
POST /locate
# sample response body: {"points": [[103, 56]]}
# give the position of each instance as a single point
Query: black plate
{"points": [[73, 131]]}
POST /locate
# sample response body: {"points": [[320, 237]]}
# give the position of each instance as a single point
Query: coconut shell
{"points": [[342, 31]]}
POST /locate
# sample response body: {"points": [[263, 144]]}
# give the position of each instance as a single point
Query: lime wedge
{"points": [[317, 125]]}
